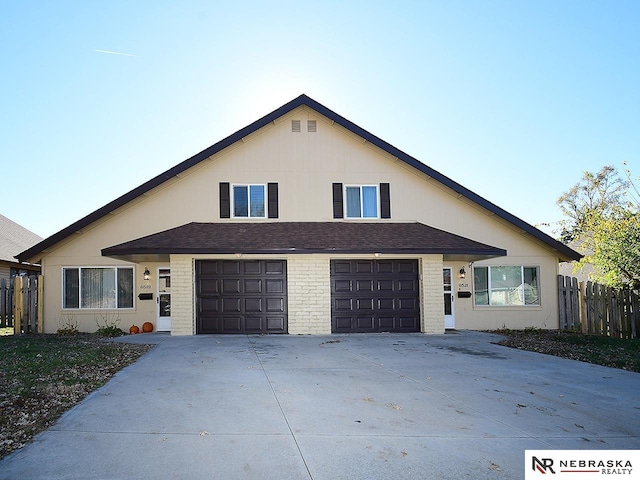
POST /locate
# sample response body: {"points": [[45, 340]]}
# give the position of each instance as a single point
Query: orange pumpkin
{"points": [[147, 327], [134, 329]]}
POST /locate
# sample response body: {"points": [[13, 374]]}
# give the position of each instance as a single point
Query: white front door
{"points": [[164, 300], [449, 319]]}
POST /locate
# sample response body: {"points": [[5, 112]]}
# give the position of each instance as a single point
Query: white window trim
{"points": [[490, 305], [360, 186], [80, 267], [248, 185]]}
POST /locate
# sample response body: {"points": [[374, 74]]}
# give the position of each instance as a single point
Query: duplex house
{"points": [[301, 223]]}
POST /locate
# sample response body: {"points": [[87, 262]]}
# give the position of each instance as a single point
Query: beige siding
{"points": [[305, 165]]}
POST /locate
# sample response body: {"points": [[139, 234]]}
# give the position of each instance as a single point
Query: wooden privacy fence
{"points": [[595, 309], [19, 305]]}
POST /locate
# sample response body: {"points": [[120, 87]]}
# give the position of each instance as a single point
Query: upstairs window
{"points": [[244, 200], [249, 201], [361, 201]]}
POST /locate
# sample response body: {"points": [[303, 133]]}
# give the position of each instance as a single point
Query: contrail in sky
{"points": [[115, 53]]}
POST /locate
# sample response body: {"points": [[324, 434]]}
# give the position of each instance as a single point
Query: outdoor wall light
{"points": [[238, 255], [146, 273], [377, 254], [462, 273]]}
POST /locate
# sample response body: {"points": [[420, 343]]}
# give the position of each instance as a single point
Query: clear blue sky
{"points": [[512, 99]]}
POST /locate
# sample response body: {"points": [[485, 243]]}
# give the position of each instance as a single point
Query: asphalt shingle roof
{"points": [[14, 239], [304, 237]]}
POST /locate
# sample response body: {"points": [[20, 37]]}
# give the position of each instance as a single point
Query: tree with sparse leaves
{"points": [[603, 223]]}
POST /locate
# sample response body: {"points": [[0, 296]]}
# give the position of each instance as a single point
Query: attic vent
{"points": [[311, 126], [295, 126]]}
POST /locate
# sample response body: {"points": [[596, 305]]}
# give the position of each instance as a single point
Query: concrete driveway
{"points": [[334, 407]]}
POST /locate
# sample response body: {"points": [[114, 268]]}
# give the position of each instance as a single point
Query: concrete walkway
{"points": [[386, 406]]}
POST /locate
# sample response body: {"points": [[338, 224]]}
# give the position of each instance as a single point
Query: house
{"points": [[301, 223], [14, 239]]}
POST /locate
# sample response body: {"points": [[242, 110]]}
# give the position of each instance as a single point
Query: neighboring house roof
{"points": [[304, 237], [14, 239], [564, 252]]}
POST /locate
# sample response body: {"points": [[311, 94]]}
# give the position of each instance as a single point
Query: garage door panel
{"points": [[374, 296], [275, 324], [343, 323], [407, 285], [385, 324], [407, 323], [274, 268], [253, 324], [208, 268], [384, 266], [253, 285], [364, 286], [210, 286], [364, 266], [230, 268], [343, 286], [253, 305], [365, 323], [243, 296], [208, 306], [364, 304], [386, 304], [209, 324], [343, 304], [231, 305], [251, 267], [274, 285], [407, 266], [341, 266], [230, 286], [275, 305], [232, 324], [407, 304]]}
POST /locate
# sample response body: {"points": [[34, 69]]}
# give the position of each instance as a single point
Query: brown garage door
{"points": [[374, 296], [248, 296]]}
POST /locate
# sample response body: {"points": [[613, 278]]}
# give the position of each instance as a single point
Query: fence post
{"points": [[4, 310], [40, 304], [562, 312], [18, 305], [582, 307]]}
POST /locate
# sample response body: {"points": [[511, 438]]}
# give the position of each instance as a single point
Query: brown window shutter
{"points": [[225, 200], [272, 200], [385, 201], [338, 209]]}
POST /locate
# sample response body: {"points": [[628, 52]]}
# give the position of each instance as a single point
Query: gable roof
{"points": [[304, 238], [14, 238], [564, 252]]}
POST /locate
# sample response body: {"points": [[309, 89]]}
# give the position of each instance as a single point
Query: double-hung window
{"points": [[506, 285], [97, 287], [249, 201], [361, 201]]}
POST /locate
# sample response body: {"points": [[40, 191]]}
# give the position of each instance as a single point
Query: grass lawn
{"points": [[42, 376]]}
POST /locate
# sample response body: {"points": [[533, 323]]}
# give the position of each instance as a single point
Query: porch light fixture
{"points": [[238, 255], [377, 254], [462, 273], [146, 273]]}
